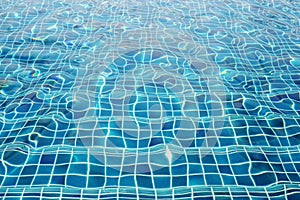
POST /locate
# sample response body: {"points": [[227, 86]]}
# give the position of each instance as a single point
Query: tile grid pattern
{"points": [[225, 74]]}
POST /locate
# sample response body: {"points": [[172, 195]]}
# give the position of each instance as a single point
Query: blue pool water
{"points": [[150, 99]]}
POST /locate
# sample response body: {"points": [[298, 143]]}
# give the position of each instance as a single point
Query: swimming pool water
{"points": [[150, 99]]}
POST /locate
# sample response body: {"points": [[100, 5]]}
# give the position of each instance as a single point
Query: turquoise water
{"points": [[150, 99]]}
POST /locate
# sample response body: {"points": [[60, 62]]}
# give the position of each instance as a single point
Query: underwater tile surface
{"points": [[150, 99]]}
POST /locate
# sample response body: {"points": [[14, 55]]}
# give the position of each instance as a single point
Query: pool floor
{"points": [[150, 99]]}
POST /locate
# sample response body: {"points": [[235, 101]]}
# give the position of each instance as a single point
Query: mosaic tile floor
{"points": [[150, 99]]}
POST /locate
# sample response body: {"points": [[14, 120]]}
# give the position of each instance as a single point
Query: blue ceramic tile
{"points": [[149, 99]]}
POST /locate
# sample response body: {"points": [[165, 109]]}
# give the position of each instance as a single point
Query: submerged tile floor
{"points": [[149, 99]]}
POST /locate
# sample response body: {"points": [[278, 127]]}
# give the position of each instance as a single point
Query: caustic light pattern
{"points": [[149, 99]]}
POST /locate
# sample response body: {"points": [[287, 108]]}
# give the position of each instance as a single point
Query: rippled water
{"points": [[150, 99]]}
